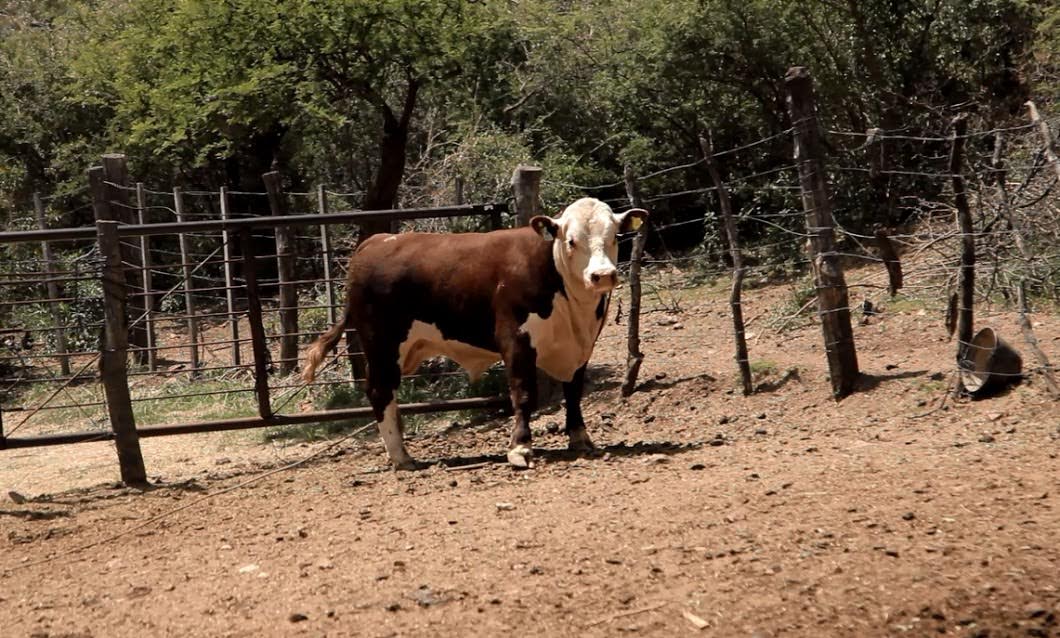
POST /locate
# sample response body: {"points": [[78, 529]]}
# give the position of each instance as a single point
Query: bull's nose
{"points": [[605, 275]]}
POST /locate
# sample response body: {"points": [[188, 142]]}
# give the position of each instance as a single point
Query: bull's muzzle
{"points": [[603, 279]]}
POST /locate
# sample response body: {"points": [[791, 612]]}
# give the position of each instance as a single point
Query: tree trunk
{"points": [[382, 193]]}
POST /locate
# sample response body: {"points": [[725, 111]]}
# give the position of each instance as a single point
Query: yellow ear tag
{"points": [[636, 223]]}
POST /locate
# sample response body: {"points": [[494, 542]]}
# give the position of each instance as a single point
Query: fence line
{"points": [[218, 293]]}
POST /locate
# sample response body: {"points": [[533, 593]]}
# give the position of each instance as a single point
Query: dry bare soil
{"points": [[780, 514]]}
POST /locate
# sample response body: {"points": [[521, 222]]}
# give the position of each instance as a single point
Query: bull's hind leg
{"points": [[384, 375], [572, 396]]}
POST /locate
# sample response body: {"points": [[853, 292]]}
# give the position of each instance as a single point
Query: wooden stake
{"points": [[635, 357], [230, 292], [1032, 342], [964, 220], [257, 327], [737, 263], [189, 298], [53, 289], [116, 172], [147, 279], [526, 184], [113, 364], [325, 247], [1046, 135], [833, 303], [285, 261]]}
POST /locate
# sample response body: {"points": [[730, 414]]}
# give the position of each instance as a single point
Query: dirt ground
{"points": [[779, 514]]}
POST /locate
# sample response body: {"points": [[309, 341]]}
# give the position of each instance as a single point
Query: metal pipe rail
{"points": [[252, 422], [171, 228]]}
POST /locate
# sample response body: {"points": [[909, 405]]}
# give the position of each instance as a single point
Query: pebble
{"points": [[505, 507], [296, 617], [986, 438]]}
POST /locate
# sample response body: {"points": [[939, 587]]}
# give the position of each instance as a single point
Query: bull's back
{"points": [[452, 282]]}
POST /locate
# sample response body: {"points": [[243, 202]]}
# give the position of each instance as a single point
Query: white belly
{"points": [[563, 343], [425, 341]]}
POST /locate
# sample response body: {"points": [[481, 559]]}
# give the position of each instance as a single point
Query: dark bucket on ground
{"points": [[989, 364]]}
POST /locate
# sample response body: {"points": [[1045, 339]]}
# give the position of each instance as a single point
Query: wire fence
{"points": [[217, 322]]}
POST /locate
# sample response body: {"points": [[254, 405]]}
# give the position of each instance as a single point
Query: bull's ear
{"points": [[631, 219], [544, 226]]}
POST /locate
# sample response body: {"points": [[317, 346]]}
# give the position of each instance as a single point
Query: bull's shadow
{"points": [[563, 455]]}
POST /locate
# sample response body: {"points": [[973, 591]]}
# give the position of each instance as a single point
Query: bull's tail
{"points": [[324, 344]]}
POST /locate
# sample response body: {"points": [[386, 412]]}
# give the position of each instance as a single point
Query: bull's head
{"points": [[585, 242]]}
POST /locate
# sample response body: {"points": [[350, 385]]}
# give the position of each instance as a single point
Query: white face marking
{"points": [[586, 245]]}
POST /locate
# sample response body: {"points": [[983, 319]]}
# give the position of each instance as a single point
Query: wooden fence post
{"points": [[116, 198], [1046, 135], [526, 188], [286, 273], [113, 361], [1032, 343], [964, 220], [53, 289], [230, 293], [526, 184], [189, 298], [729, 223], [635, 357], [325, 248], [147, 279], [833, 303], [257, 327]]}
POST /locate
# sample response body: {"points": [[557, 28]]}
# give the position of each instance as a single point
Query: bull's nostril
{"points": [[596, 278]]}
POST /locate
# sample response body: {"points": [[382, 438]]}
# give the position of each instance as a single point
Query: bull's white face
{"points": [[585, 245]]}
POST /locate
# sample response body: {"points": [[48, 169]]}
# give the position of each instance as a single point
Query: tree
{"points": [[266, 83]]}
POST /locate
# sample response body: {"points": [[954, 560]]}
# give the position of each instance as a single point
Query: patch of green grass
{"points": [[202, 399], [763, 367], [429, 384]]}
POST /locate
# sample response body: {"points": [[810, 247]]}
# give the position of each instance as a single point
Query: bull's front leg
{"points": [[572, 396], [520, 360]]}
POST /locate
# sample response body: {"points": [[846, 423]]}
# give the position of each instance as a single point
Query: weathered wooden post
{"points": [[53, 288], [526, 186], [1046, 135], [113, 361], [964, 221], [729, 223], [189, 297], [635, 357], [358, 364], [230, 292], [117, 207], [147, 279], [833, 303], [325, 249], [285, 261], [257, 327]]}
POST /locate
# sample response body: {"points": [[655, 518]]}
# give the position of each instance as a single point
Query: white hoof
{"points": [[521, 456]]}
